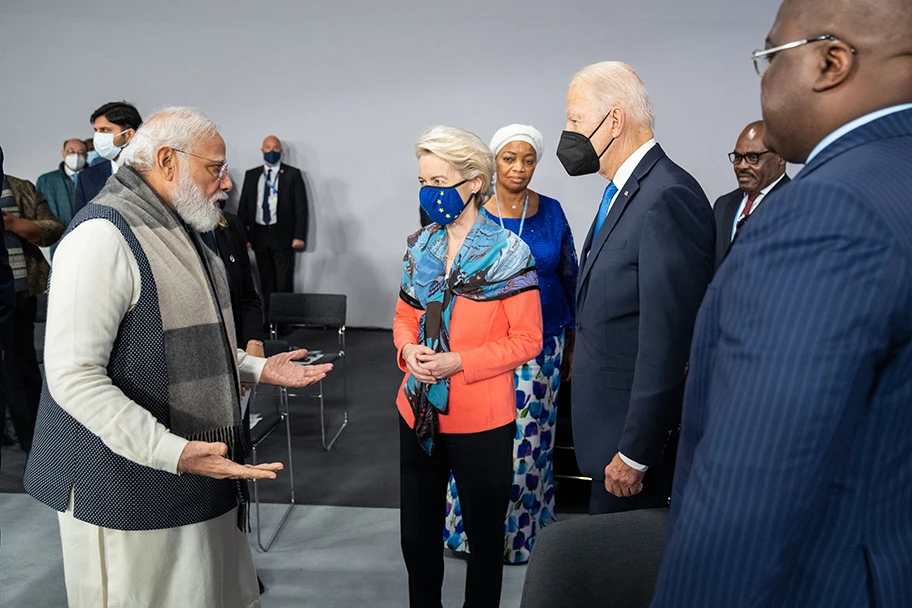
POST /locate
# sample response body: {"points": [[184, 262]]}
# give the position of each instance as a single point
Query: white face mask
{"points": [[75, 162], [104, 145]]}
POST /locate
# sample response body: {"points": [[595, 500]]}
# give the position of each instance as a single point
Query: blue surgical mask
{"points": [[443, 204], [91, 157], [272, 157]]}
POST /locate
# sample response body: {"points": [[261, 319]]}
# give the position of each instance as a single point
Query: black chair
{"points": [[315, 310], [270, 421], [604, 560]]}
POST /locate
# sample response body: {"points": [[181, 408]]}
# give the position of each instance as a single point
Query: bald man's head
{"points": [[272, 149], [756, 166], [812, 89]]}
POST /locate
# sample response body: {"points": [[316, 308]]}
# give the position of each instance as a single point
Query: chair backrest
{"points": [[308, 309], [275, 347], [604, 560]]}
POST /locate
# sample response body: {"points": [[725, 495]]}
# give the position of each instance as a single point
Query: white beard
{"points": [[191, 204]]}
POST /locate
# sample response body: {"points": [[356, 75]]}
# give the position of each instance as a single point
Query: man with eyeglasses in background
{"points": [[760, 172], [115, 124]]}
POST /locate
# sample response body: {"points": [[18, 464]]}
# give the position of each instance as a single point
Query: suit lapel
{"points": [[625, 195], [728, 219]]}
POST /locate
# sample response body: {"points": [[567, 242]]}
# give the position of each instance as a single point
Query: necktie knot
{"points": [[604, 206], [748, 207]]}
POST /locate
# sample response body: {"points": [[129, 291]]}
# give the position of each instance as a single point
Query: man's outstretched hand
{"points": [[280, 371], [208, 459]]}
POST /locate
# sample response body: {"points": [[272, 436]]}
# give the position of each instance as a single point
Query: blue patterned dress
{"points": [[547, 234]]}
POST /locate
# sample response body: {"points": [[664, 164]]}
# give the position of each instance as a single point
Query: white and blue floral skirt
{"points": [[532, 497]]}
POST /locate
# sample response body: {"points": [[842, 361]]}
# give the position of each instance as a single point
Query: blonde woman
{"points": [[468, 314]]}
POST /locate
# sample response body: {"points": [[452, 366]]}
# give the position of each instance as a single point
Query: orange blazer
{"points": [[493, 338]]}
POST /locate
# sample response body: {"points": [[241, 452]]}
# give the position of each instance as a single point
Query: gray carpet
{"points": [[326, 556], [362, 469]]}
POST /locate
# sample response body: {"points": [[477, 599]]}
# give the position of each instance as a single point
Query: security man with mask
{"points": [[115, 124], [644, 268], [273, 207]]}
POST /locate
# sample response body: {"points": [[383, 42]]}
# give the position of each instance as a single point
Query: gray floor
{"points": [[326, 556]]}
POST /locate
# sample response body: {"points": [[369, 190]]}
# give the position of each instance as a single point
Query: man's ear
{"points": [[166, 163], [617, 121], [835, 65]]}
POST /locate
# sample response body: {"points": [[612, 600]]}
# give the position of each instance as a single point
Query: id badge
{"points": [[273, 199]]}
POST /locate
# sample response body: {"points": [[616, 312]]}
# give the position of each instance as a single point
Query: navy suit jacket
{"points": [[726, 208], [794, 478], [91, 180], [640, 284]]}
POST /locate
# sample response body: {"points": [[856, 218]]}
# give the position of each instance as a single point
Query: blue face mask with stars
{"points": [[443, 204]]}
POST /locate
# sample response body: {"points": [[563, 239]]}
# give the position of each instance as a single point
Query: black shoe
{"points": [[262, 586]]}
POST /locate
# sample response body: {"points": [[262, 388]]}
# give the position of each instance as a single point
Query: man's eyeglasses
{"points": [[752, 158], [222, 165], [763, 58]]}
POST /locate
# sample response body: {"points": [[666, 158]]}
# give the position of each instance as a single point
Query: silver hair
{"points": [[616, 84], [175, 127], [465, 151]]}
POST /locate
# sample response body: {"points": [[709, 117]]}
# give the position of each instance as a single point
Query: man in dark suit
{"points": [[760, 172], [645, 267], [115, 124], [794, 479], [273, 207]]}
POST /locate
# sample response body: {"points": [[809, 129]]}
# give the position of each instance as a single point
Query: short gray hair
{"points": [[616, 84], [465, 151], [173, 127]]}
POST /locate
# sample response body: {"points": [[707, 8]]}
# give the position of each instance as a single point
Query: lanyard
{"points": [[522, 221], [273, 185]]}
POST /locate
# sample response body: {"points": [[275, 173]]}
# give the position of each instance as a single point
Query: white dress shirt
{"points": [[626, 169], [95, 283], [757, 202], [273, 199]]}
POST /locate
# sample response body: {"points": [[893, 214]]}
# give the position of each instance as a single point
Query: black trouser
{"points": [[275, 263], [20, 367], [482, 464]]}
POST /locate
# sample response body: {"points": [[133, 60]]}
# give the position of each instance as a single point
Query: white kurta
{"points": [[95, 282]]}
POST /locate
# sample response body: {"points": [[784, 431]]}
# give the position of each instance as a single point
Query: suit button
{"points": [[579, 327]]}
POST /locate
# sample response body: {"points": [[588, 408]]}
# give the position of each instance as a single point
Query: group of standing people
{"points": [[484, 359], [774, 351]]}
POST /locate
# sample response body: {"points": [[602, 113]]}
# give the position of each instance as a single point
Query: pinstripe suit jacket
{"points": [[794, 478]]}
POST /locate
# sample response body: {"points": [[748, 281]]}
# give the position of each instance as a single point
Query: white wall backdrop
{"points": [[348, 85]]}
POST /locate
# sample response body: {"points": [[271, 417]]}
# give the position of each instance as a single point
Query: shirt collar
{"points": [[273, 168], [626, 169], [69, 172], [766, 190], [848, 128]]}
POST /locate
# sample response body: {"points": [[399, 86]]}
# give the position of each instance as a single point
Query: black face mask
{"points": [[576, 153]]}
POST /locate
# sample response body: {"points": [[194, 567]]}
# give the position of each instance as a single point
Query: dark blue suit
{"points": [[640, 284], [91, 180], [794, 480]]}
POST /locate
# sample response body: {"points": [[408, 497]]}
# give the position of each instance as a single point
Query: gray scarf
{"points": [[198, 327]]}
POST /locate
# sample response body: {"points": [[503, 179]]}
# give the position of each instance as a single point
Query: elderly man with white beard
{"points": [[138, 445]]}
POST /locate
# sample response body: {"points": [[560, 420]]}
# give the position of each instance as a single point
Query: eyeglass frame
{"points": [[223, 165], [768, 54], [733, 155]]}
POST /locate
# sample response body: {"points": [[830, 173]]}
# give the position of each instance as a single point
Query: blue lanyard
{"points": [[272, 186], [522, 221]]}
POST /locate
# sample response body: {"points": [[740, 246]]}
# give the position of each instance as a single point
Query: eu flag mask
{"points": [[443, 204]]}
